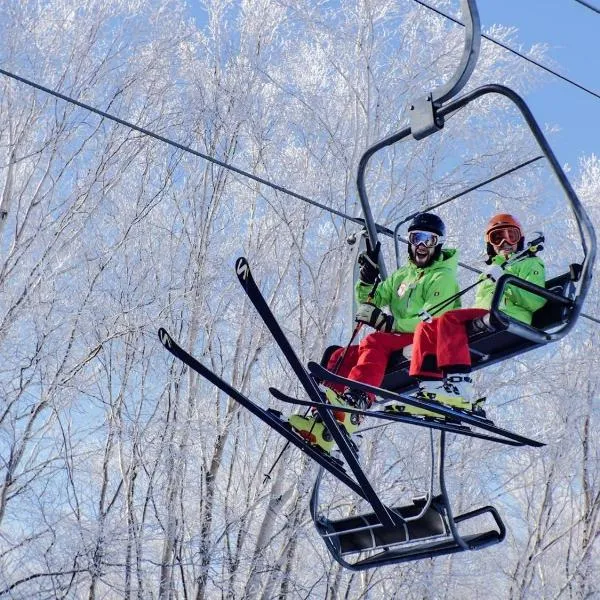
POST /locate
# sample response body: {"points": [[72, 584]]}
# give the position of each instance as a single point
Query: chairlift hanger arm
{"points": [[469, 56], [425, 117]]}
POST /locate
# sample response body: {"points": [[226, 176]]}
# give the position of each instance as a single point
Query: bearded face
{"points": [[423, 256], [424, 247]]}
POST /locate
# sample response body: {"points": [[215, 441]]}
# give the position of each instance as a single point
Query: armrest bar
{"points": [[522, 329]]}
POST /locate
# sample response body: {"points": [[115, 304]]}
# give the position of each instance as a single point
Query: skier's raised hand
{"points": [[369, 268]]}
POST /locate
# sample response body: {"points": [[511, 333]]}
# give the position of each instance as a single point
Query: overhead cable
{"points": [[156, 136], [590, 6], [512, 50]]}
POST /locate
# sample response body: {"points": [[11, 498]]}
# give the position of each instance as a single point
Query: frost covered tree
{"points": [[123, 475]]}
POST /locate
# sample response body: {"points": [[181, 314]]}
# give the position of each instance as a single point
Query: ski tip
{"points": [[242, 268], [165, 338], [275, 393]]}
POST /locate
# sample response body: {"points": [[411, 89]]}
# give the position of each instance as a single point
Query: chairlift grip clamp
{"points": [[424, 119]]}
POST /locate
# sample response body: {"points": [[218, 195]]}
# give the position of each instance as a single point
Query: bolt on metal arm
{"points": [[424, 119]]}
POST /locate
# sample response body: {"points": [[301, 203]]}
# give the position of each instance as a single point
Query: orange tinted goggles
{"points": [[509, 234]]}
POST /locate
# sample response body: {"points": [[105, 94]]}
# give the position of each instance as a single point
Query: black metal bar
{"points": [[442, 480], [522, 329]]}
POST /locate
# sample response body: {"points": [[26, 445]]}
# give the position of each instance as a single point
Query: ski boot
{"points": [[312, 428], [426, 390], [455, 391], [458, 393]]}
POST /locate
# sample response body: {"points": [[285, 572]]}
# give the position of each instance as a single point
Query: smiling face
{"points": [[505, 249], [505, 240], [422, 246], [422, 255]]}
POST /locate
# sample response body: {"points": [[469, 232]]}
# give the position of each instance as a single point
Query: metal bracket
{"points": [[423, 120], [423, 116]]}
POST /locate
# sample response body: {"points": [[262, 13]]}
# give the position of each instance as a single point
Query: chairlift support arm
{"points": [[425, 117]]}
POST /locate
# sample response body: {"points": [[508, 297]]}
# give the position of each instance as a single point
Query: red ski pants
{"points": [[444, 341], [367, 361]]}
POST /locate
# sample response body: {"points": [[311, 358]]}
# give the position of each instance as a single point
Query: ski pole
{"points": [[268, 474], [533, 247], [357, 328]]}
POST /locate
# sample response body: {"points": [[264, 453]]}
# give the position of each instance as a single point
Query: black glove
{"points": [[369, 269], [375, 317]]}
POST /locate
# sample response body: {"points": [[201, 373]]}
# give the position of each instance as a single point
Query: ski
{"points": [[430, 423], [386, 517], [271, 417], [322, 374]]}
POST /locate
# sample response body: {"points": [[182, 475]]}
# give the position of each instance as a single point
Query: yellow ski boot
{"points": [[313, 430]]}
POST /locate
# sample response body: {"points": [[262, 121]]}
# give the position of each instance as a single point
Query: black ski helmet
{"points": [[427, 222]]}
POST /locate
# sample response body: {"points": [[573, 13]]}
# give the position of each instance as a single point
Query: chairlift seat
{"points": [[499, 338], [425, 535], [496, 337]]}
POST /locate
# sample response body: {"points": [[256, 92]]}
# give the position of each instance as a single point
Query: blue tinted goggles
{"points": [[427, 238]]}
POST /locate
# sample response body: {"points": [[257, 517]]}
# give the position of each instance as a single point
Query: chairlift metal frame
{"points": [[428, 528]]}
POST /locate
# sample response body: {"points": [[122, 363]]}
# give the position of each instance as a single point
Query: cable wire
{"points": [[182, 147], [156, 136], [588, 5], [512, 50]]}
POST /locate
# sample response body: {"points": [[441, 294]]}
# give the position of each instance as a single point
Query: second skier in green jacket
{"points": [[441, 357]]}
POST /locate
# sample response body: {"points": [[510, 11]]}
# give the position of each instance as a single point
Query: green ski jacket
{"points": [[411, 289], [516, 303]]}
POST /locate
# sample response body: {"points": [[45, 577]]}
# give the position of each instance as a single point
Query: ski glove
{"points": [[425, 316], [496, 270], [375, 317], [369, 269]]}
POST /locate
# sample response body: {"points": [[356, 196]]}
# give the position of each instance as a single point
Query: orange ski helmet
{"points": [[503, 221]]}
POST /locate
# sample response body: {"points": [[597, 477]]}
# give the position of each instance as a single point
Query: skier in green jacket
{"points": [[440, 356], [425, 281]]}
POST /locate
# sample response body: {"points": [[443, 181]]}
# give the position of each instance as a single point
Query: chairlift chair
{"points": [[427, 527]]}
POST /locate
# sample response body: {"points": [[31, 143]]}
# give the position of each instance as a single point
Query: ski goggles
{"points": [[509, 234], [427, 238]]}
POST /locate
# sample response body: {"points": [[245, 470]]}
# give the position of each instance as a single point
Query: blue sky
{"points": [[572, 33]]}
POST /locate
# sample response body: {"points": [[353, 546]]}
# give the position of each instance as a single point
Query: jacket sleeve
{"points": [[442, 286], [383, 294], [484, 293], [532, 270]]}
